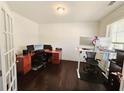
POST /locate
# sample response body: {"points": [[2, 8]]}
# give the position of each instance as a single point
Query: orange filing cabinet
{"points": [[24, 63]]}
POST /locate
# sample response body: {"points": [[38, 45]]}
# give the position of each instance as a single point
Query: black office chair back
{"points": [[120, 57], [41, 56], [90, 60], [47, 47], [30, 48], [91, 55], [59, 49]]}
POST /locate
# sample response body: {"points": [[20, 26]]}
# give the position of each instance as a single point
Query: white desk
{"points": [[103, 64], [79, 59]]}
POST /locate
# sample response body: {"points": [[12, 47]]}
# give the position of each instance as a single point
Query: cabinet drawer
{"points": [[56, 61], [56, 55], [26, 61], [27, 69]]}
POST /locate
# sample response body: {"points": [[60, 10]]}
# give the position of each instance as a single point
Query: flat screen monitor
{"points": [[105, 42], [38, 47], [30, 48], [87, 41]]}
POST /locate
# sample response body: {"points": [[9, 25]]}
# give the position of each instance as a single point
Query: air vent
{"points": [[111, 3]]}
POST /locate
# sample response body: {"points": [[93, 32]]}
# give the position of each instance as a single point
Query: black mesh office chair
{"points": [[91, 62], [93, 72], [48, 47], [39, 59]]}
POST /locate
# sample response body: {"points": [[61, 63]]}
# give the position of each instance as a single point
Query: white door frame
{"points": [[122, 80], [7, 52]]}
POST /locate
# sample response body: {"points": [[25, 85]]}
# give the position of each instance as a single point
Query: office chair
{"points": [[58, 49], [91, 62], [48, 47], [39, 59]]}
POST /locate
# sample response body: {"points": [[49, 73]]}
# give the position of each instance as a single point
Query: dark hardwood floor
{"points": [[54, 77]]}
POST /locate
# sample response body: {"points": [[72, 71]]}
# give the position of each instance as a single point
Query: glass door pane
{"points": [[13, 55], [10, 25], [3, 21], [6, 63], [5, 42], [9, 30], [9, 41], [7, 23], [10, 57], [9, 68], [11, 76], [8, 82], [13, 71], [12, 42]]}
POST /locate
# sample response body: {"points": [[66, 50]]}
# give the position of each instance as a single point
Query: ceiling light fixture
{"points": [[111, 3], [60, 10]]}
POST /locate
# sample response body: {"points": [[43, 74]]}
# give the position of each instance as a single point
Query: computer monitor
{"points": [[105, 42], [30, 48], [38, 47], [86, 41]]}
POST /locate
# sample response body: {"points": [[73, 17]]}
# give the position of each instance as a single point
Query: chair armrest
{"points": [[113, 59], [113, 62], [98, 60]]}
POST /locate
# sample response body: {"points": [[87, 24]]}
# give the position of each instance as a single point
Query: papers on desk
{"points": [[104, 63], [106, 56], [112, 55]]}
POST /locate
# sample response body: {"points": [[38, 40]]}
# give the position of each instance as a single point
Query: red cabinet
{"points": [[23, 63], [56, 56]]}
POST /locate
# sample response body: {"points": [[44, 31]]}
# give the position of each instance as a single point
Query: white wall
{"points": [[25, 32], [110, 18], [66, 36]]}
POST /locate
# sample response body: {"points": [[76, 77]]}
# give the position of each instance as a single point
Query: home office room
{"points": [[61, 45]]}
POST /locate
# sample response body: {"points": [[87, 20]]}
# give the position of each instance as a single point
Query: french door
{"points": [[122, 80], [7, 54]]}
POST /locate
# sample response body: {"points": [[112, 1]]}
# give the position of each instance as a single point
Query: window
{"points": [[116, 32]]}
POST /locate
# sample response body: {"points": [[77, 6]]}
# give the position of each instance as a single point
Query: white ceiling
{"points": [[77, 11]]}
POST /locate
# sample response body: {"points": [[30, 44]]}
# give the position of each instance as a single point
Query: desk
{"points": [[103, 64], [56, 56], [23, 63]]}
